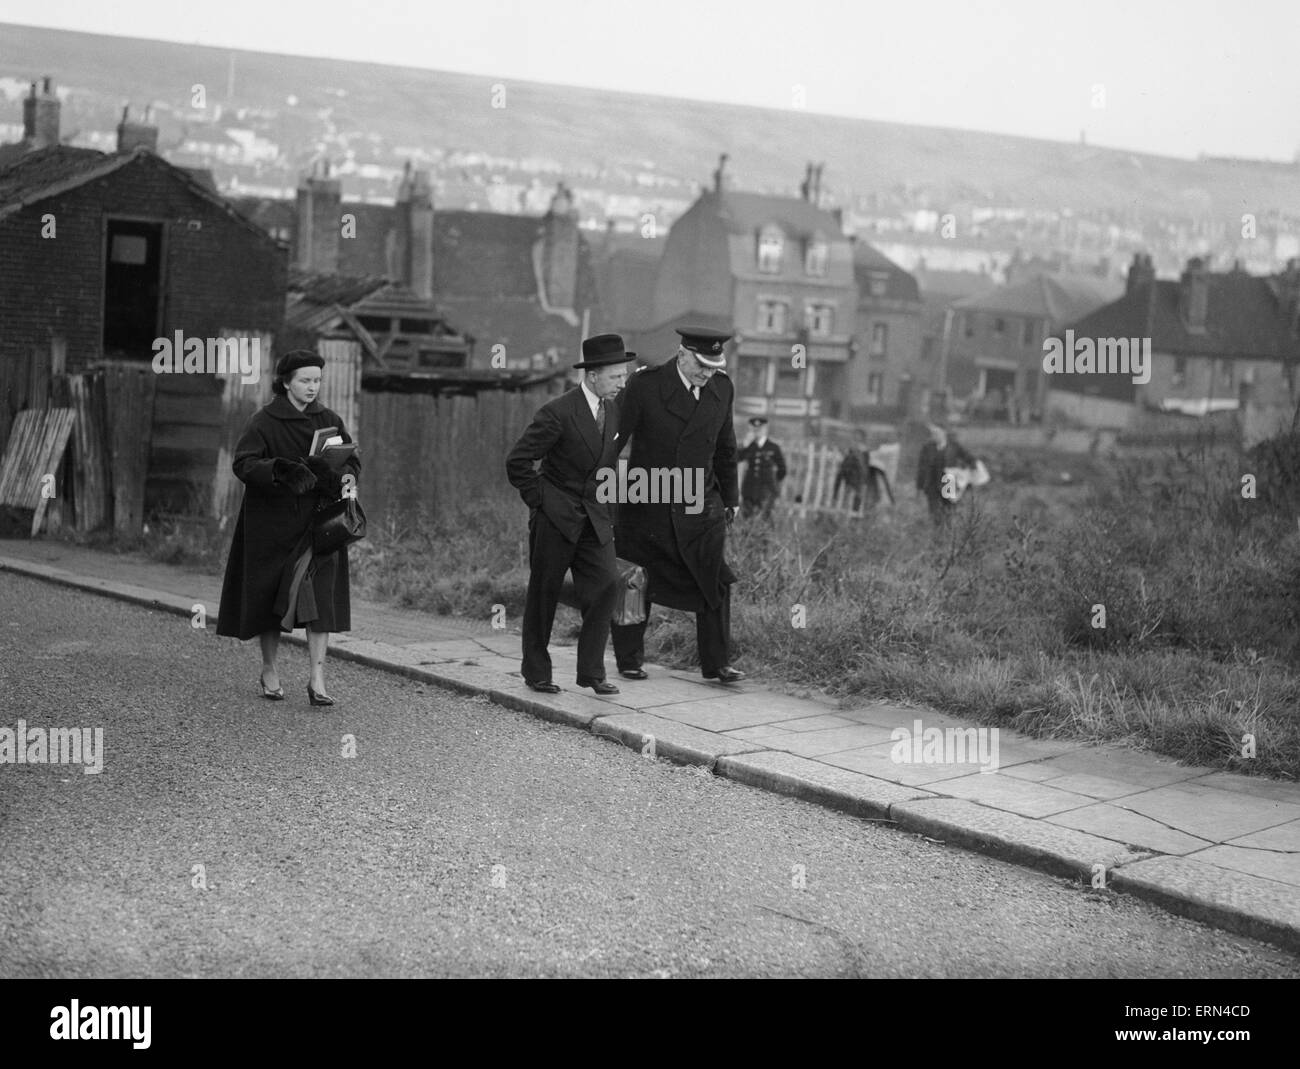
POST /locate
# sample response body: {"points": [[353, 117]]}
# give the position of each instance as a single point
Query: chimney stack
{"points": [[415, 232], [1194, 297], [805, 187], [41, 116], [560, 250], [1141, 272], [133, 135], [719, 174], [316, 236]]}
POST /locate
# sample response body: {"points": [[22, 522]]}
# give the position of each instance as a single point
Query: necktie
{"points": [[695, 392], [600, 417]]}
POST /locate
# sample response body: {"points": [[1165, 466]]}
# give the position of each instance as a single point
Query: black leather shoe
{"points": [[633, 673], [600, 686], [316, 698], [276, 695], [727, 674], [544, 685]]}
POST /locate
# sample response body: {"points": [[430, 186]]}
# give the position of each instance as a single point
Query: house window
{"points": [[1029, 333], [879, 339], [771, 317], [968, 325], [770, 244], [999, 326], [875, 387], [1225, 372], [789, 381], [820, 319], [878, 283], [816, 256], [1179, 376]]}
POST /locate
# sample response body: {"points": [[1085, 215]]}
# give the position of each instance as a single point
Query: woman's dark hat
{"points": [[602, 350], [706, 344], [296, 358]]}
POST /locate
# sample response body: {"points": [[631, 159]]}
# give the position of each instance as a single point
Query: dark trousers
{"points": [[712, 638], [595, 582]]}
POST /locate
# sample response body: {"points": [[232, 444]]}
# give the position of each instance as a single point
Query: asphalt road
{"points": [[466, 839]]}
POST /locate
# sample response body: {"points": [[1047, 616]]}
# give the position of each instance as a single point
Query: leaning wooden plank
{"points": [[58, 431]]}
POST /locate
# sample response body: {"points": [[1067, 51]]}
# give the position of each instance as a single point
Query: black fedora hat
{"points": [[602, 350]]}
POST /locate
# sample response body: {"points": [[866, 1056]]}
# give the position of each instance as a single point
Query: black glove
{"points": [[293, 475]]}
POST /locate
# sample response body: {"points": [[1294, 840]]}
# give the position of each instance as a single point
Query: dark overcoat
{"points": [[273, 520], [764, 471], [563, 435], [683, 554]]}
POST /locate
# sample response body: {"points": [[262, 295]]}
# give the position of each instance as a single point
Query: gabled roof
{"points": [[944, 285], [746, 213], [1061, 299], [484, 254], [50, 172], [869, 261], [1243, 319]]}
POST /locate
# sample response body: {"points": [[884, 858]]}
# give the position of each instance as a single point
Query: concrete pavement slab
{"points": [[659, 690], [1025, 840], [833, 740], [725, 712], [1248, 905], [1110, 821], [877, 761], [850, 792], [1094, 786], [668, 738], [1267, 864], [1283, 837], [1014, 795], [579, 709], [1275, 790], [816, 723], [1210, 813], [1145, 770]]}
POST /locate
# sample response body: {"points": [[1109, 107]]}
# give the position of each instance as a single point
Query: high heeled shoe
{"points": [[276, 695], [318, 699]]}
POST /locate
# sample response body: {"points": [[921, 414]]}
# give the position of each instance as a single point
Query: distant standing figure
{"points": [[274, 581], [941, 452], [764, 470], [855, 474]]}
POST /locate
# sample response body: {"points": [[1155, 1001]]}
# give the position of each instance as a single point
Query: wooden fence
{"points": [[437, 453], [809, 484]]}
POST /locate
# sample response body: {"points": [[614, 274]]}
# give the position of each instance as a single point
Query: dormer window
{"points": [[816, 255], [770, 245]]}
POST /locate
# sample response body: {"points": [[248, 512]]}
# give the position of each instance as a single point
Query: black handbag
{"points": [[338, 524]]}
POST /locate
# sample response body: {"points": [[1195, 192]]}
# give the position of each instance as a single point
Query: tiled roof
{"points": [[868, 260], [1243, 319], [517, 323], [627, 285], [945, 285], [48, 172], [317, 287], [1060, 299], [745, 213], [484, 254], [33, 174]]}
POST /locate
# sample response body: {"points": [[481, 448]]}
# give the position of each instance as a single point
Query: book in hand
{"points": [[328, 444]]}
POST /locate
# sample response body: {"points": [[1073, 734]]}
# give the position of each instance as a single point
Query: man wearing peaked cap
{"points": [[764, 470], [678, 416], [569, 529]]}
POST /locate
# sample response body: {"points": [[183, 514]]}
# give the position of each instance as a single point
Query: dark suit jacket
{"points": [[563, 436], [683, 552]]}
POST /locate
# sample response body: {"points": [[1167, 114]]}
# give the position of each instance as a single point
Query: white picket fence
{"points": [[810, 477]]}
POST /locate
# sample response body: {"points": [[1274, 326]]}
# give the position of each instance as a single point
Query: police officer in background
{"points": [[678, 414], [764, 470]]}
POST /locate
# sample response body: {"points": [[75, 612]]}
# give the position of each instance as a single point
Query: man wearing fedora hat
{"points": [[678, 416], [574, 436]]}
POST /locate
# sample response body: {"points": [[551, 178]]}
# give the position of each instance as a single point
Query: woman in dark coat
{"points": [[273, 581]]}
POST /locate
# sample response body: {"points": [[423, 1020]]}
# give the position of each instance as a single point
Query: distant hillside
{"points": [[590, 130]]}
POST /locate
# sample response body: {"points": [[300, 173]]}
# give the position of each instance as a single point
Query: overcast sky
{"points": [[1178, 77]]}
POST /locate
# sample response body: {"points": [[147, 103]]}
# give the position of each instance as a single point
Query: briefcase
{"points": [[630, 608]]}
